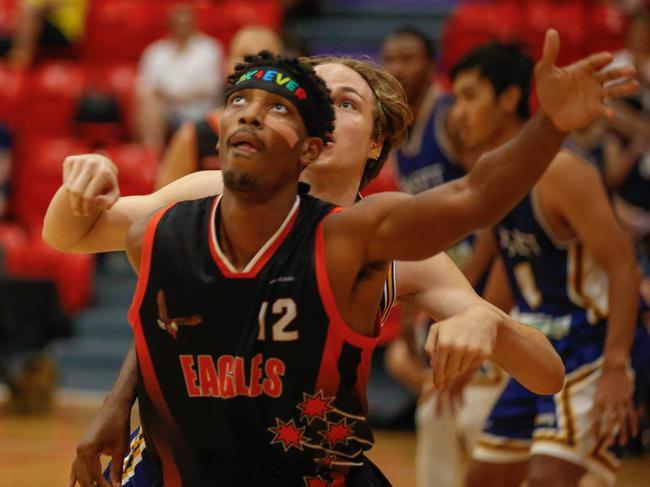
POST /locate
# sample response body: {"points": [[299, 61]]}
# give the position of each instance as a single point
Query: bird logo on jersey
{"points": [[171, 325]]}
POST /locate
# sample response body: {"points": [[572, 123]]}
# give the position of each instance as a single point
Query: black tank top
{"points": [[247, 378]]}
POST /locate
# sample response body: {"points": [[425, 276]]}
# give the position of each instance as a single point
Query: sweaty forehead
{"points": [[339, 76]]}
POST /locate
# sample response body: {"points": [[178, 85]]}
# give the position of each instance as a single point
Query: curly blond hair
{"points": [[392, 115]]}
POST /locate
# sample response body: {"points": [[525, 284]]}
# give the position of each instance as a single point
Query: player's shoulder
{"points": [[364, 216], [568, 164], [569, 180]]}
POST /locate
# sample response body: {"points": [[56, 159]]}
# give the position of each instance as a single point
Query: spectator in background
{"points": [[193, 147], [180, 78], [49, 24]]}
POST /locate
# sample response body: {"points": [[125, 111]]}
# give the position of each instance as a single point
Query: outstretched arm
{"points": [[87, 214], [414, 228], [471, 330]]}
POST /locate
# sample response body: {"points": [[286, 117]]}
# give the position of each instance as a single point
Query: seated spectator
{"points": [[46, 24], [193, 146], [180, 78]]}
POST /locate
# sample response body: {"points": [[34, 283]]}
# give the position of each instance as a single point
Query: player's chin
{"points": [[240, 181]]}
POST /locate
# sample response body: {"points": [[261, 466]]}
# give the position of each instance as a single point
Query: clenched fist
{"points": [[91, 183]]}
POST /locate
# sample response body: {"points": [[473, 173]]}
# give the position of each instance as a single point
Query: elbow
{"points": [[555, 377], [553, 373], [53, 242]]}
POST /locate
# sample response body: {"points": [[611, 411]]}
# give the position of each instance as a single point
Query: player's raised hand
{"points": [[573, 96], [91, 183], [461, 343]]}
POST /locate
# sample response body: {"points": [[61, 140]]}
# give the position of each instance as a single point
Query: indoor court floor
{"points": [[38, 451]]}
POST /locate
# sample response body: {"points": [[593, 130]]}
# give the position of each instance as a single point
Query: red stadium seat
{"points": [[472, 24], [26, 256], [8, 16], [12, 83], [607, 26], [72, 273], [137, 166], [37, 176], [52, 93], [118, 30], [568, 18]]}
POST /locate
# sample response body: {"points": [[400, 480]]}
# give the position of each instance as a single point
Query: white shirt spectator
{"points": [[187, 79]]}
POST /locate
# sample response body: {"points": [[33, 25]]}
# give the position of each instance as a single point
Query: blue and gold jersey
{"points": [[426, 159], [557, 285]]}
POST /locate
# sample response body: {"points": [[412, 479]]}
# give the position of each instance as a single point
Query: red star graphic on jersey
{"points": [[337, 432], [315, 482], [327, 460], [315, 406], [288, 434]]}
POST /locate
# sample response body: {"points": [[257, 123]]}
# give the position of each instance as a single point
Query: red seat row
{"points": [[43, 100], [38, 173], [28, 256], [584, 27]]}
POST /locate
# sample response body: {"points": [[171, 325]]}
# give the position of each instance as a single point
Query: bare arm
{"points": [[414, 228], [87, 215], [483, 252], [473, 330], [109, 431], [575, 191], [497, 289]]}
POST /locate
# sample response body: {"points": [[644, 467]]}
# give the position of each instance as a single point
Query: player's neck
{"points": [[244, 225], [420, 100], [332, 192]]}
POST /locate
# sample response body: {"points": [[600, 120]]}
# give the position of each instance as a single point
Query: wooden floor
{"points": [[37, 451]]}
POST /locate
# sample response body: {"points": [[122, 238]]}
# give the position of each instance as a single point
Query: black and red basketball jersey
{"points": [[247, 378]]}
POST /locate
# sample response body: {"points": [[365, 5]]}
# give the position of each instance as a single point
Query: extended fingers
{"points": [[621, 89], [616, 73], [595, 62]]}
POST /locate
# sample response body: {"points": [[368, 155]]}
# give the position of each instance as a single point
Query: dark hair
{"points": [[413, 31], [503, 65], [322, 120]]}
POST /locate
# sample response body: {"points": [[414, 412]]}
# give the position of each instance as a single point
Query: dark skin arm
{"points": [[109, 432]]}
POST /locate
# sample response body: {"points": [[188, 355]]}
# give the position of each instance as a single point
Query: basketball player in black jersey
{"points": [[251, 233]]}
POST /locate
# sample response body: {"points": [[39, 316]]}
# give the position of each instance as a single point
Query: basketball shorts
{"points": [[522, 424], [138, 469]]}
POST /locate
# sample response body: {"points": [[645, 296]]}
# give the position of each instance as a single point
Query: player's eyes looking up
{"points": [[280, 108], [236, 100]]}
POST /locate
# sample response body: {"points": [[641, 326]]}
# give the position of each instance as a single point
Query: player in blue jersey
{"points": [[563, 272], [430, 156], [109, 223]]}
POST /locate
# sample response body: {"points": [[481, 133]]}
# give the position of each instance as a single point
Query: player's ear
{"points": [[374, 151], [311, 149], [509, 98]]}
